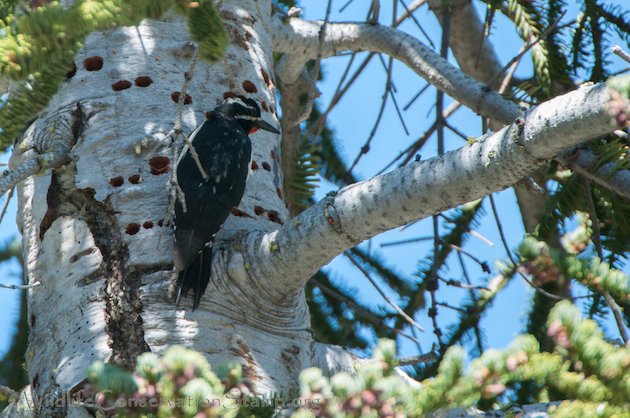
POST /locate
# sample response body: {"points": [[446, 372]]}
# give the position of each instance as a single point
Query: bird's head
{"points": [[247, 113]]}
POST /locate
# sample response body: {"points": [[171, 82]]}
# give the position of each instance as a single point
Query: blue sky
{"points": [[352, 121]]}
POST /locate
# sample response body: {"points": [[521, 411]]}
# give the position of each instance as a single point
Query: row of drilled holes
{"points": [[160, 165]]}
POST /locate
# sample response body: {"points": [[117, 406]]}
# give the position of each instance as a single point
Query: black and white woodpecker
{"points": [[224, 149]]}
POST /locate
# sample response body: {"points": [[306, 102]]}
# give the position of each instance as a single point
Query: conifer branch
{"points": [[482, 62]]}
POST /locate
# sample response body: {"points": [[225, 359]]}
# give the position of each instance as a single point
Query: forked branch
{"points": [[302, 40]]}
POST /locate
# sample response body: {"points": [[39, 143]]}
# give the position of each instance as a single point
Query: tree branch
{"points": [[19, 287], [27, 168], [609, 176], [362, 210], [476, 56], [48, 144], [301, 38]]}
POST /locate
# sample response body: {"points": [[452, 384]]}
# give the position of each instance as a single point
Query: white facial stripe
{"points": [[247, 117], [237, 100]]}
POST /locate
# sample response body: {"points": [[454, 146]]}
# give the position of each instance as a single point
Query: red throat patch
{"points": [[251, 131]]}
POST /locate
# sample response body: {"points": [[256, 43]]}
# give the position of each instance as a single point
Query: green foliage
{"points": [[38, 47], [585, 370], [178, 384], [41, 45], [579, 45], [49, 33], [305, 180], [6, 8], [375, 390], [206, 28], [545, 263], [30, 97], [580, 368], [111, 378], [528, 23], [621, 84]]}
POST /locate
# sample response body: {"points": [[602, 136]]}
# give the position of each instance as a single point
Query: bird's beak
{"points": [[261, 124]]}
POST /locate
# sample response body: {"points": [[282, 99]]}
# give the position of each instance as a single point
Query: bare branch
{"points": [[387, 299], [616, 310], [365, 209], [406, 241], [538, 289], [483, 264], [413, 360], [340, 91], [474, 299], [26, 169], [6, 204], [585, 163], [366, 147], [460, 285], [360, 310], [409, 11], [616, 49], [304, 36], [19, 286], [376, 10], [419, 143], [597, 240]]}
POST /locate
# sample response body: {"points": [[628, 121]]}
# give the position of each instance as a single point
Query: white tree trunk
{"points": [[96, 231]]}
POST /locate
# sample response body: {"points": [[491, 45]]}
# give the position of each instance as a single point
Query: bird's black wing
{"points": [[224, 150]]}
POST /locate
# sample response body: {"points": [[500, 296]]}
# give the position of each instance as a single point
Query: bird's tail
{"points": [[196, 276]]}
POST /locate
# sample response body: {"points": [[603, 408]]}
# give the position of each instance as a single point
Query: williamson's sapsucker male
{"points": [[224, 149]]}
